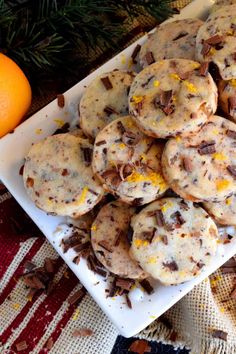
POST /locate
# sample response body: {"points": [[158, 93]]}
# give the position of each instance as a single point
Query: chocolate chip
{"points": [[203, 70], [205, 49], [64, 172], [135, 53], [187, 164], [21, 346], [125, 284], [120, 127], [231, 105], [149, 58], [137, 201], [60, 101], [29, 182], [206, 148], [171, 265], [231, 133], [130, 233], [101, 142], [107, 83], [180, 35], [128, 301], [232, 170], [146, 286], [82, 332], [164, 239], [21, 170], [130, 139], [148, 235], [105, 245], [160, 218], [178, 217], [77, 296], [64, 129], [109, 110], [214, 40], [217, 333], [87, 152]]}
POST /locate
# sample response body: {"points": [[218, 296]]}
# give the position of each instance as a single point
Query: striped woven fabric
{"points": [[47, 320]]}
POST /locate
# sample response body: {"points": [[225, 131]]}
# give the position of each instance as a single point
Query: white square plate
{"points": [[14, 147]]}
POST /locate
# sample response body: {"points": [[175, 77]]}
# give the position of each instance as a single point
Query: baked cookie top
{"points": [[129, 163], [227, 97], [216, 41], [104, 100], [202, 167], [109, 238], [223, 212], [175, 39], [173, 240], [58, 176], [172, 97]]}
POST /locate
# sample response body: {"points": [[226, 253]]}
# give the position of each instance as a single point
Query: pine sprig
{"points": [[47, 36]]}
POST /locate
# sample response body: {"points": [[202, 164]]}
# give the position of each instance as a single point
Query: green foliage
{"points": [[47, 36]]}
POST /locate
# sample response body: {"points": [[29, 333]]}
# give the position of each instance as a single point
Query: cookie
{"points": [[173, 240], [109, 238], [216, 42], [104, 100], [220, 3], [172, 97], [202, 167], [175, 39], [58, 176], [223, 212], [128, 163], [227, 97]]}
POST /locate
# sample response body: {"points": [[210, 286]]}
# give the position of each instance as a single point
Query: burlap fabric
{"points": [[190, 322]]}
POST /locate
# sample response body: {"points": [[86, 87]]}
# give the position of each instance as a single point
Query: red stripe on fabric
{"points": [[23, 312], [7, 255], [19, 271], [61, 324], [45, 313]]}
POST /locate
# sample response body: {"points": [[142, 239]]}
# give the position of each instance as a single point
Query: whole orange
{"points": [[15, 94]]}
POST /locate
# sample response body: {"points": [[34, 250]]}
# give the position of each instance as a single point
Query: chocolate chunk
{"points": [[207, 147], [205, 49], [82, 332], [120, 127], [164, 239], [233, 293], [183, 205], [140, 346], [101, 142], [232, 170], [148, 80], [29, 266], [107, 83], [125, 171], [125, 284], [130, 233], [113, 177], [77, 296], [88, 153], [137, 201], [29, 182], [130, 139], [135, 53], [148, 235], [109, 110], [178, 217], [231, 105], [105, 245], [149, 58], [146, 286], [64, 129], [34, 282], [214, 40], [82, 246], [172, 266], [160, 218], [49, 344], [203, 70], [231, 133], [92, 191], [60, 101], [49, 265], [21, 170], [21, 346], [180, 35], [217, 333], [129, 304], [187, 164], [139, 107], [166, 97], [65, 172]]}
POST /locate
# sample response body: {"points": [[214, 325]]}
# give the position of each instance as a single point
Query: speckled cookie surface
{"points": [[58, 176], [110, 241], [129, 163], [104, 100], [171, 98], [216, 41], [227, 97], [220, 3], [203, 167], [223, 212], [171, 40], [173, 240]]}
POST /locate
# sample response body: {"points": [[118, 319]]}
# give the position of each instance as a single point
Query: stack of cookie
{"points": [[144, 134]]}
